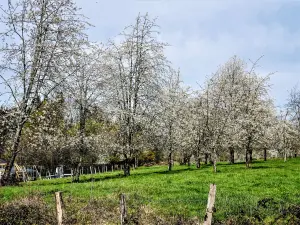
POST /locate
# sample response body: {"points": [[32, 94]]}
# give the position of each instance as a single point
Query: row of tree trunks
{"points": [[198, 160], [186, 159]]}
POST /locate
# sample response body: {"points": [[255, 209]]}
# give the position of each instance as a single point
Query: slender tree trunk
{"points": [[182, 160], [285, 155], [215, 165], [185, 159], [215, 160], [198, 162], [197, 156], [82, 147], [248, 161], [170, 161], [6, 178], [189, 161], [136, 162], [265, 154], [231, 159], [248, 152], [76, 174], [126, 168], [206, 158]]}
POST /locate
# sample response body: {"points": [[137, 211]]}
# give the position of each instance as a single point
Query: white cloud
{"points": [[205, 33]]}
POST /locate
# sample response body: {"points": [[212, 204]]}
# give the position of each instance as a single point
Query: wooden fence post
{"points": [[123, 210], [210, 204], [59, 207]]}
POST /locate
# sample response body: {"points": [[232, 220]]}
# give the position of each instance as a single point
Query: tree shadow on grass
{"points": [[243, 163], [177, 170], [267, 167], [118, 176]]}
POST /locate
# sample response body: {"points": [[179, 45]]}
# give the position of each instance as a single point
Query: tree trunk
{"points": [[198, 162], [170, 161], [249, 152], [215, 165], [248, 161], [215, 161], [82, 147], [265, 154], [185, 159], [76, 174], [206, 158], [136, 162], [126, 168], [197, 157], [6, 178], [211, 161], [285, 155], [231, 159], [189, 161], [182, 161]]}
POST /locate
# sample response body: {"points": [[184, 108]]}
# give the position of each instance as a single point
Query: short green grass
{"points": [[182, 191]]}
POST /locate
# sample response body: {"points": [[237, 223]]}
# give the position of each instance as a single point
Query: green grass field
{"points": [[182, 191]]}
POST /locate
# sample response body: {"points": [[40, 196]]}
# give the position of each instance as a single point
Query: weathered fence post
{"points": [[123, 210], [59, 207], [210, 204]]}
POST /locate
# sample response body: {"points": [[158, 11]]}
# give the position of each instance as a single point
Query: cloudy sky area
{"points": [[204, 34]]}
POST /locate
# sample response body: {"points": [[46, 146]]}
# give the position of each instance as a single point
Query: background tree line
{"points": [[73, 102]]}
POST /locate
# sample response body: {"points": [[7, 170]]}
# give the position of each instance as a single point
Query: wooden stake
{"points": [[59, 207], [210, 204], [123, 210]]}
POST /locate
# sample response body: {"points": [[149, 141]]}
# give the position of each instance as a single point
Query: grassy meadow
{"points": [[179, 193]]}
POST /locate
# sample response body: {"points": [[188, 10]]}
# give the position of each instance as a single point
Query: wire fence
{"points": [[89, 208]]}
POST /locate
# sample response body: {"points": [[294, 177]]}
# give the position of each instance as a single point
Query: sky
{"points": [[204, 34]]}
